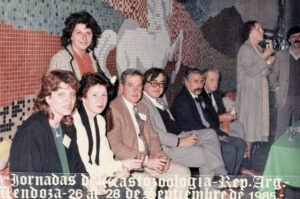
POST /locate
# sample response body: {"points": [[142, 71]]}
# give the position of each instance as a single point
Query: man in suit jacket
{"points": [[213, 105], [191, 116], [286, 82], [132, 134], [197, 148]]}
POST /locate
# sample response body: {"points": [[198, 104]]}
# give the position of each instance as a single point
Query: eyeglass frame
{"points": [[157, 84]]}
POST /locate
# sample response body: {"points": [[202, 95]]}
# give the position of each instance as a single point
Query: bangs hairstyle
{"points": [[76, 18], [91, 79], [50, 82]]}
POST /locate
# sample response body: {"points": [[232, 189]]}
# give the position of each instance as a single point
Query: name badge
{"points": [[143, 116], [66, 141]]}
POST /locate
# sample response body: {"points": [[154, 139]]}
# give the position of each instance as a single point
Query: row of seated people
{"points": [[57, 139]]}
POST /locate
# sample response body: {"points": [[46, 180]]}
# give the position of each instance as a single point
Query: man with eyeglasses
{"points": [[195, 148], [286, 82]]}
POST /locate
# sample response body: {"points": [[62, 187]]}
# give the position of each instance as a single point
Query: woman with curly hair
{"points": [[79, 39], [45, 143]]}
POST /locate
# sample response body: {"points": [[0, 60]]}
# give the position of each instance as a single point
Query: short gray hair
{"points": [[130, 71], [189, 72], [205, 72]]}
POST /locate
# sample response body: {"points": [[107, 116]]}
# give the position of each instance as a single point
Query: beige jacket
{"points": [[65, 60]]}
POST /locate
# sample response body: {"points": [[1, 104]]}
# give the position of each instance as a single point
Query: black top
{"points": [[171, 125], [34, 152], [209, 108]]}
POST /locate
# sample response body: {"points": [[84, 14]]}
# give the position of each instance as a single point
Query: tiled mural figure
{"points": [[143, 48]]}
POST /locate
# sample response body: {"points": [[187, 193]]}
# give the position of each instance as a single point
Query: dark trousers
{"points": [[233, 153]]}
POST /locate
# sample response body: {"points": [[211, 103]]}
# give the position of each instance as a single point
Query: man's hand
{"points": [[158, 164], [227, 117], [188, 140], [131, 164], [224, 139], [124, 173], [225, 127]]}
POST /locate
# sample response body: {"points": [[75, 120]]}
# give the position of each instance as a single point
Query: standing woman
{"points": [[253, 66], [79, 39], [46, 142], [93, 95]]}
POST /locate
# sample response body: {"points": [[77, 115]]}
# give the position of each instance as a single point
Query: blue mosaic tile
{"points": [[201, 10], [50, 15]]}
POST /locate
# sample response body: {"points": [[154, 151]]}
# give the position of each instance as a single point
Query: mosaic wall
{"points": [[30, 36]]}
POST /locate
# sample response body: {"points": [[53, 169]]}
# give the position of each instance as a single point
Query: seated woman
{"points": [[93, 146], [45, 144]]}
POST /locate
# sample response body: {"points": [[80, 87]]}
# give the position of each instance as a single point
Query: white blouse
{"points": [[107, 164]]}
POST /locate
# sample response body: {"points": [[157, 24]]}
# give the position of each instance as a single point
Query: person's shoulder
{"points": [[100, 119], [284, 52], [34, 124], [182, 95], [62, 56], [117, 105]]}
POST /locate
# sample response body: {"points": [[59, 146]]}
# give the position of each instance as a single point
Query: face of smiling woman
{"points": [[81, 38], [95, 100], [61, 102]]}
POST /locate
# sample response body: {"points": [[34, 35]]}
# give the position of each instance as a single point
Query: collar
{"points": [[154, 101], [128, 104], [293, 54], [192, 94]]}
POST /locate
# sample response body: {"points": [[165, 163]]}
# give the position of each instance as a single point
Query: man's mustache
{"points": [[197, 89], [297, 41]]}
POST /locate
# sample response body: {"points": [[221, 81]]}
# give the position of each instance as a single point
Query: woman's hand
{"points": [[131, 164], [271, 60], [268, 51]]}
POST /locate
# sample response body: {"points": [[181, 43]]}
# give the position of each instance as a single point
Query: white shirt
{"points": [[141, 144], [295, 56]]}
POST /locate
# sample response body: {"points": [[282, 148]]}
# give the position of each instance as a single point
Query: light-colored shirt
{"points": [[200, 111], [129, 105], [296, 57]]}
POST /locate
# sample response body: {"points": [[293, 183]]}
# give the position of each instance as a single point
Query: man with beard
{"points": [[286, 82], [190, 115]]}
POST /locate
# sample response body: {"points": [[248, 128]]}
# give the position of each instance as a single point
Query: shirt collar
{"points": [[295, 56], [128, 104], [153, 100], [193, 95]]}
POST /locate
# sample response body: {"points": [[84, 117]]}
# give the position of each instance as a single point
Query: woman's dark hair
{"points": [[91, 79], [51, 82], [247, 29], [76, 18], [153, 73]]}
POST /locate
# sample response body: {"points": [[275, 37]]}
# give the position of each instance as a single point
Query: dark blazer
{"points": [[33, 150], [187, 115], [209, 108]]}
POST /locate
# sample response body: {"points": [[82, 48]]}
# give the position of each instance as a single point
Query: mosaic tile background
{"points": [[30, 36], [49, 15]]}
